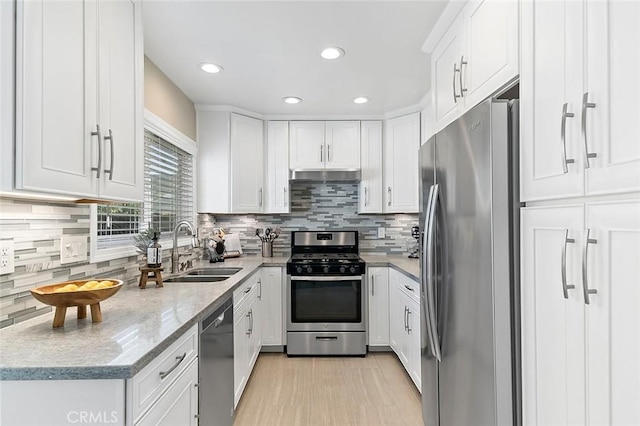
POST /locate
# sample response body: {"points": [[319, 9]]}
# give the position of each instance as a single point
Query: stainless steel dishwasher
{"points": [[216, 367]]}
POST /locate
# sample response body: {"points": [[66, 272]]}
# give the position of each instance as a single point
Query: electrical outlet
{"points": [[7, 254], [381, 233], [73, 249]]}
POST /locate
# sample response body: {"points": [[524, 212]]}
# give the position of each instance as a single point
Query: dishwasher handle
{"points": [[217, 317]]}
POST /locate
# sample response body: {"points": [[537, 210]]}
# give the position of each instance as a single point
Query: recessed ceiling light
{"points": [[210, 68], [292, 100], [332, 53], [361, 100]]}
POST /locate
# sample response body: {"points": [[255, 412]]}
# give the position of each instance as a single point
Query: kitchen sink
{"points": [[195, 279], [214, 271]]}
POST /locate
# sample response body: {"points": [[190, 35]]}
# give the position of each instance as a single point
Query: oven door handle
{"points": [[325, 278]]}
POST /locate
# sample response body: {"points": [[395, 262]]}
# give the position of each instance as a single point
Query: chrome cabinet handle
{"points": [[409, 329], [566, 287], [98, 168], [373, 286], [251, 318], [328, 153], [110, 139], [366, 196], [455, 95], [260, 289], [405, 318], [586, 104], [248, 316], [408, 288], [321, 156], [563, 133], [179, 359], [284, 192], [260, 197], [586, 291], [462, 89], [247, 290], [388, 196]]}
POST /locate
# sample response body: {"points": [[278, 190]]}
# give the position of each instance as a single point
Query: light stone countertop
{"points": [[137, 326]]}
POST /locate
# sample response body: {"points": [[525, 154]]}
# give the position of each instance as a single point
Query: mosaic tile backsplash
{"points": [[36, 227], [319, 206]]}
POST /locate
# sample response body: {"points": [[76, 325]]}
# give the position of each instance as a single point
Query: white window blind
{"points": [[168, 196]]}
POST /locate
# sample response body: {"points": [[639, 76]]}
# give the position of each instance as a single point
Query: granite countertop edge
{"points": [[126, 371]]}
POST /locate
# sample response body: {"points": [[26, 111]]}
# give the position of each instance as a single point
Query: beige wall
{"points": [[163, 98]]}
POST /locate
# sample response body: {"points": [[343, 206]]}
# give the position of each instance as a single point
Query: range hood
{"points": [[324, 175]]}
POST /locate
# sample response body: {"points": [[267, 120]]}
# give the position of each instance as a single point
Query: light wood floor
{"points": [[340, 391]]}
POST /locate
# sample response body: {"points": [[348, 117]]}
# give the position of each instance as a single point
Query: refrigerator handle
{"points": [[425, 263], [431, 307]]}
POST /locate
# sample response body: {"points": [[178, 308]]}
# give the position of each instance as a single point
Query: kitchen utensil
{"points": [[79, 298]]}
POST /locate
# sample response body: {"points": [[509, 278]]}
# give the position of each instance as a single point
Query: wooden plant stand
{"points": [[149, 274]]}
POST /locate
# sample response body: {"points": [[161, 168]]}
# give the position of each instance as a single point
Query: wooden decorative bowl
{"points": [[79, 298]]}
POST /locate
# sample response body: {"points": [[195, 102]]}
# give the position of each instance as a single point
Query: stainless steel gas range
{"points": [[326, 309]]}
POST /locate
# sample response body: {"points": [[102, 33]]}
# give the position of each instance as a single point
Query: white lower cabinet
{"points": [[272, 310], [179, 405], [404, 323], [378, 288], [247, 333], [581, 314]]}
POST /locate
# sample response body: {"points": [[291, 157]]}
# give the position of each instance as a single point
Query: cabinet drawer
{"points": [[241, 293], [409, 286], [154, 379]]}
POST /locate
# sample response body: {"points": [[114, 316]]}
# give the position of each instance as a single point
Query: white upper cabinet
{"points": [[324, 145], [247, 164], [79, 107], [579, 86], [370, 197], [306, 145], [342, 141], [277, 173], [230, 163], [475, 56], [401, 145]]}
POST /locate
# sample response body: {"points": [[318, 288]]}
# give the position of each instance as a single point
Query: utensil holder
{"points": [[267, 249]]}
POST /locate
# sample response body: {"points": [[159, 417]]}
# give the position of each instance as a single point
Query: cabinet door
{"points": [[397, 324], [247, 180], [370, 195], [612, 67], [240, 351], [491, 53], [179, 405], [378, 306], [613, 314], [445, 75], [271, 306], [120, 95], [306, 145], [413, 338], [342, 142], [551, 77], [56, 95], [401, 146], [277, 193], [553, 360]]}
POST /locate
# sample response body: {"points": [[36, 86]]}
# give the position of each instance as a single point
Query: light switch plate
{"points": [[7, 254], [73, 249], [381, 233]]}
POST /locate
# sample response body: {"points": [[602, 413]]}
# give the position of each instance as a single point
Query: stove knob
{"points": [[299, 269], [342, 269], [309, 269], [352, 269], [326, 269]]}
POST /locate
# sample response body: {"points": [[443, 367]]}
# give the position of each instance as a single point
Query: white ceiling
{"points": [[271, 49]]}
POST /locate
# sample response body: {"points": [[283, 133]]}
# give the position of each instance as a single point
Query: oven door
{"points": [[322, 303]]}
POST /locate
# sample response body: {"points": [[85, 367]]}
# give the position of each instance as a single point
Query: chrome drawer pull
{"points": [[563, 138], [179, 359], [566, 287], [585, 282]]}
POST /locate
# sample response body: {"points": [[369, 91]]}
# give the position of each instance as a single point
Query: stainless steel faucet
{"points": [[175, 257]]}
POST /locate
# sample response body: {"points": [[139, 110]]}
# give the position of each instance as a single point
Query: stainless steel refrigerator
{"points": [[469, 270]]}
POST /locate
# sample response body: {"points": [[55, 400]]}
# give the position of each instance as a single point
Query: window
{"points": [[168, 196]]}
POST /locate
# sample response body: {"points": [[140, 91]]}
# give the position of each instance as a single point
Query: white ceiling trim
{"points": [[453, 8]]}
